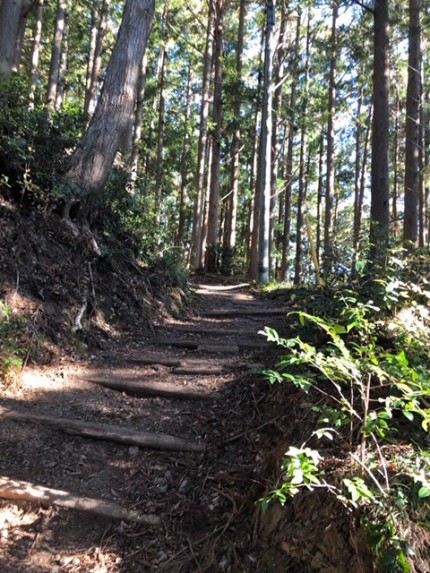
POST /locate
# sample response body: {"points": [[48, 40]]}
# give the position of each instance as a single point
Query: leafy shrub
{"points": [[167, 270], [373, 382], [12, 350]]}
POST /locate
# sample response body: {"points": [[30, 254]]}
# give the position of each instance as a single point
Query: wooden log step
{"points": [[189, 365], [252, 312], [220, 288], [209, 346], [207, 330], [219, 348], [145, 389], [106, 432], [24, 491], [213, 369], [188, 344]]}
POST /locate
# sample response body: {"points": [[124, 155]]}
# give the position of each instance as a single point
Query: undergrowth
{"points": [[369, 383], [12, 346]]}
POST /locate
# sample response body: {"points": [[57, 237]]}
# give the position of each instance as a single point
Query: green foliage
{"points": [[373, 381], [33, 143], [167, 270], [12, 353]]}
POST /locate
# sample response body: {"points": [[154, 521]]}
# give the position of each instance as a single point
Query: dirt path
{"points": [[186, 390]]}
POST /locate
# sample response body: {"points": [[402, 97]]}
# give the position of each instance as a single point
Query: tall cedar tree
{"points": [[91, 162]]}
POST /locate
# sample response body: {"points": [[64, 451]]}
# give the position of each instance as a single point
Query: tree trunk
{"points": [[277, 140], [254, 176], [380, 191], [330, 179], [395, 158], [91, 92], [185, 153], [35, 53], [158, 190], [138, 124], [319, 196], [212, 238], [202, 144], [54, 68], [290, 150], [92, 160], [302, 169], [26, 7], [10, 13], [64, 61], [265, 160], [231, 214], [412, 151]]}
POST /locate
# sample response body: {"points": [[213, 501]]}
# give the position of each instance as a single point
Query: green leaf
{"points": [[424, 491]]}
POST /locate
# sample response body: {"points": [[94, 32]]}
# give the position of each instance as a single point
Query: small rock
{"points": [[185, 486], [4, 533], [65, 560], [133, 450]]}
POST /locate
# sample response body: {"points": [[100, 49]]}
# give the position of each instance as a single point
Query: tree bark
{"points": [[290, 151], [138, 125], [212, 236], [200, 199], [302, 169], [185, 152], [380, 191], [158, 190], [92, 160], [35, 53], [231, 214], [54, 68], [412, 151], [265, 160], [330, 178], [91, 92], [10, 12]]}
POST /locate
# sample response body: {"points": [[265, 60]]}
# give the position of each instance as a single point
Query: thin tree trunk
{"points": [[64, 60], [231, 218], [202, 144], [35, 53], [91, 54], [54, 68], [412, 151], [138, 124], [254, 177], [395, 192], [380, 190], [302, 170], [290, 151], [91, 92], [183, 195], [266, 152], [158, 191], [319, 197], [330, 179], [359, 197], [212, 239], [26, 7]]}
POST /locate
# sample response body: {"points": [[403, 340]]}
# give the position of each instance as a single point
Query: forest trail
{"points": [[163, 435]]}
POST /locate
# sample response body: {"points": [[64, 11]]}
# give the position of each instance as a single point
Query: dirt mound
{"points": [[72, 298]]}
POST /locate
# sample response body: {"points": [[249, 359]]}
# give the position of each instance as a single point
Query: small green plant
{"points": [[365, 390], [12, 352]]}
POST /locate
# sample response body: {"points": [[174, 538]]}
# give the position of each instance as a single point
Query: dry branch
{"points": [[25, 491]]}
